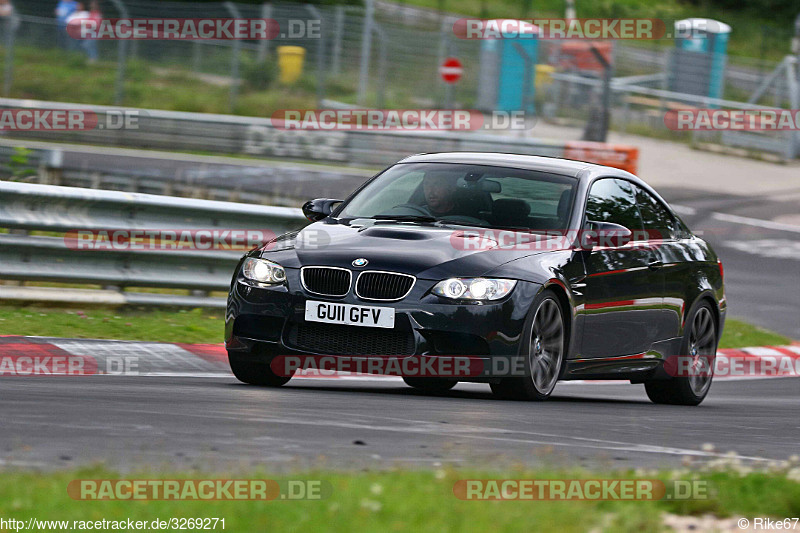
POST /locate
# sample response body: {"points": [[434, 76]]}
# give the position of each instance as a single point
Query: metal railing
{"points": [[633, 104], [39, 219], [254, 182], [230, 134]]}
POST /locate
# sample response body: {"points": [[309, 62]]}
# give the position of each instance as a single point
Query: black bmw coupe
{"points": [[540, 269]]}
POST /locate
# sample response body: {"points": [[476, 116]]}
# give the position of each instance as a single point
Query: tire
{"points": [[255, 372], [700, 340], [430, 384], [543, 350]]}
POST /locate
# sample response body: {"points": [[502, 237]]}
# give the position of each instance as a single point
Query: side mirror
{"points": [[315, 210], [605, 234]]}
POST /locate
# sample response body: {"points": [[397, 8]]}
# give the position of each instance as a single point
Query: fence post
{"points": [[122, 57], [793, 88], [320, 55], [366, 45], [197, 55], [337, 40], [263, 44], [444, 50], [11, 24], [235, 52], [381, 99]]}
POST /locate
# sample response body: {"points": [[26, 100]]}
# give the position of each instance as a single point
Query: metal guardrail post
{"points": [[320, 54], [366, 47], [444, 44], [793, 88], [263, 44], [235, 52], [197, 55], [122, 56], [11, 25], [382, 64], [337, 40]]}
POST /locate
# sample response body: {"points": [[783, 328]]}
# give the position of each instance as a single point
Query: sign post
{"points": [[450, 71]]}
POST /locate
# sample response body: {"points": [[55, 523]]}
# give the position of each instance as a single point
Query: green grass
{"points": [[739, 334], [194, 326], [56, 75], [404, 500], [206, 326]]}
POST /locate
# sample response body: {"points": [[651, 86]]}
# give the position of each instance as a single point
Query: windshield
{"points": [[476, 195]]}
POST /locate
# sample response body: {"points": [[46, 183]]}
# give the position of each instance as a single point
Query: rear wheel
{"points": [[430, 384], [255, 372], [544, 350], [699, 343]]}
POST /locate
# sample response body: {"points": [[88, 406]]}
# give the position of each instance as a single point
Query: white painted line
{"points": [[777, 248], [762, 351], [757, 222], [684, 209]]}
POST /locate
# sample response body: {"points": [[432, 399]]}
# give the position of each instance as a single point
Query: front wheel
{"points": [[544, 349], [700, 344], [255, 372]]}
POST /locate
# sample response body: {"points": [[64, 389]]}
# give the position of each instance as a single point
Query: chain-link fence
{"points": [[380, 55]]}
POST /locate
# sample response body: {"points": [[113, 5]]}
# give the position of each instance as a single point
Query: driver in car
{"points": [[439, 189]]}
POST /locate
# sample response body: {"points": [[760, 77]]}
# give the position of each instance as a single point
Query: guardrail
{"points": [[26, 208], [266, 183], [253, 136]]}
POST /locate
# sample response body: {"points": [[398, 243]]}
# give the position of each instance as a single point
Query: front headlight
{"points": [[263, 271], [481, 289]]}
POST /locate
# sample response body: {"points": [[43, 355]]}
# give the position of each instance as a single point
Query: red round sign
{"points": [[451, 70]]}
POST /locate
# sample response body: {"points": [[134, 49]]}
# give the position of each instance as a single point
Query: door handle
{"points": [[655, 264]]}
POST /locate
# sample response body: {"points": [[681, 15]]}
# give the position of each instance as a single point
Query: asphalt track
{"points": [[216, 423]]}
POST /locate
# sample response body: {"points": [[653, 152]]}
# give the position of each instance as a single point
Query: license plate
{"points": [[351, 315]]}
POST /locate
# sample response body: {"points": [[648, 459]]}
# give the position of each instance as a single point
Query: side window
{"points": [[658, 221], [613, 200]]}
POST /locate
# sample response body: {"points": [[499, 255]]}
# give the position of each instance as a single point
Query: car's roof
{"points": [[555, 165]]}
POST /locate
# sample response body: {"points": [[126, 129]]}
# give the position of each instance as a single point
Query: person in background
{"points": [[96, 16], [8, 21], [74, 22], [6, 9], [64, 9]]}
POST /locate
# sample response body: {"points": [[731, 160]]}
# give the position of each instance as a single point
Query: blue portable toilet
{"points": [[508, 67], [697, 65]]}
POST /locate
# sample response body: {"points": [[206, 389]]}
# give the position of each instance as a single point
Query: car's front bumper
{"points": [[269, 321]]}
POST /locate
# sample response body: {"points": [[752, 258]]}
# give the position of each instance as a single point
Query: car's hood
{"points": [[422, 250]]}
